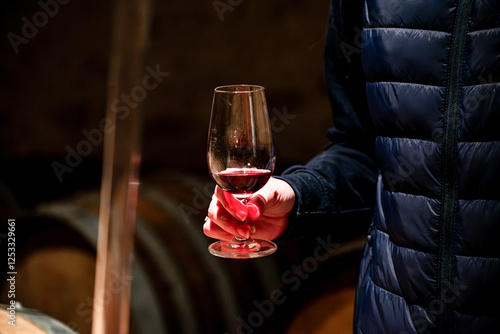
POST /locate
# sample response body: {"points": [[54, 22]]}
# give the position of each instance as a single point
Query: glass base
{"points": [[247, 249]]}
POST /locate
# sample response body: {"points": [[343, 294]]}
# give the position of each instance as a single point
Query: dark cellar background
{"points": [[54, 87], [53, 91]]}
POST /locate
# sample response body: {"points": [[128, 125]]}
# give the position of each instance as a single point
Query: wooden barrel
{"points": [[332, 311], [177, 286], [18, 320]]}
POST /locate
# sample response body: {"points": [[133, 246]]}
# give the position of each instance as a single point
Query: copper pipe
{"points": [[120, 175]]}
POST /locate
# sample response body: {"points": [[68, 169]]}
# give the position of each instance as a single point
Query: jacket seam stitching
{"points": [[458, 141], [404, 247], [481, 30], [406, 28]]}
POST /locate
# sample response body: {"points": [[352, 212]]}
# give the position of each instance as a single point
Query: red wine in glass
{"points": [[241, 158], [242, 180]]}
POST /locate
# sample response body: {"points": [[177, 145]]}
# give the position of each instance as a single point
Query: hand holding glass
{"points": [[240, 156]]}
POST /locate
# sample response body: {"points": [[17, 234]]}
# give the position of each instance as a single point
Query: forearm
{"points": [[335, 191]]}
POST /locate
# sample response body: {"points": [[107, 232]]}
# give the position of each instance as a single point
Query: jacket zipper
{"points": [[450, 148]]}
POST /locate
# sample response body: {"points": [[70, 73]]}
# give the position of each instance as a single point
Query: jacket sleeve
{"points": [[335, 191]]}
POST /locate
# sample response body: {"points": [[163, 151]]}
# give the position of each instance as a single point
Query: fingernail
{"points": [[253, 212], [243, 232], [241, 215]]}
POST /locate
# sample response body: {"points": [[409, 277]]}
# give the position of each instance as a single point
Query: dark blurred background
{"points": [[54, 87], [53, 84]]}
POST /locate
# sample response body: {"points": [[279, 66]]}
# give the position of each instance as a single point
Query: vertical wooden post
{"points": [[120, 181]]}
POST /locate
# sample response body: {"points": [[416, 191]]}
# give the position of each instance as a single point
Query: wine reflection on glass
{"points": [[241, 156]]}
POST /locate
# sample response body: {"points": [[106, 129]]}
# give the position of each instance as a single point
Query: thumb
{"points": [[255, 207]]}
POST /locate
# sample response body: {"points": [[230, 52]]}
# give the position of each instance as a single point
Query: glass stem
{"points": [[243, 199]]}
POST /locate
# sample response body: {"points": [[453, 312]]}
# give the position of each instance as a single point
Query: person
{"points": [[414, 88]]}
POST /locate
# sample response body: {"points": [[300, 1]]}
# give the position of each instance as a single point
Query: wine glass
{"points": [[240, 156]]}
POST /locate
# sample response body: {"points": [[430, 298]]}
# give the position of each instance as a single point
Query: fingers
{"points": [[215, 231], [268, 228], [222, 224], [231, 204], [267, 213], [255, 207]]}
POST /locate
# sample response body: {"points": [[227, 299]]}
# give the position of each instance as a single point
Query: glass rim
{"points": [[244, 88]]}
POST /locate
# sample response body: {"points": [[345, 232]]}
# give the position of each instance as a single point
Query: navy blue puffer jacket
{"points": [[422, 121]]}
